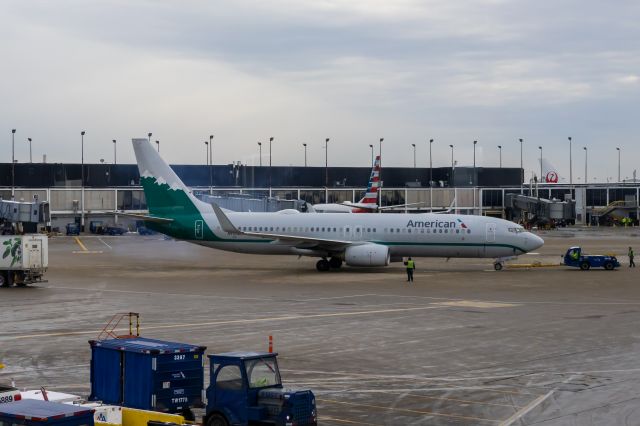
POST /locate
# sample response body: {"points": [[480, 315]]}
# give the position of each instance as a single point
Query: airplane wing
{"points": [[307, 242], [145, 217]]}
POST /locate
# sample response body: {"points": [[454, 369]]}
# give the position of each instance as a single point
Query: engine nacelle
{"points": [[367, 255]]}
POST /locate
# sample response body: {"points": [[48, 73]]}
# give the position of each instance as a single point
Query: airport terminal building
{"points": [[109, 188]]}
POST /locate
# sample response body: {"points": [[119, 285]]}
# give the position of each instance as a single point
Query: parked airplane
{"points": [[368, 203], [357, 240]]}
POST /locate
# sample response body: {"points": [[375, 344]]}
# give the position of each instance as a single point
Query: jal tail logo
{"points": [[462, 225], [551, 177]]}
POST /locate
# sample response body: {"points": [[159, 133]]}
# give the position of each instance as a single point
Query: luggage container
{"points": [[148, 374], [31, 412]]}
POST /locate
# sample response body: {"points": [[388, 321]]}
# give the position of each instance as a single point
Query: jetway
{"points": [[534, 210], [26, 214]]}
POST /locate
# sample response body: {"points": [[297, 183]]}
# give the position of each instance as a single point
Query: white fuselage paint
{"points": [[420, 235]]}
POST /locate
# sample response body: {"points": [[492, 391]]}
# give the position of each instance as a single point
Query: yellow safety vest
{"points": [[411, 264]]}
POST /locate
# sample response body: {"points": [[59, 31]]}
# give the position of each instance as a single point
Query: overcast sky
{"points": [[301, 71]]}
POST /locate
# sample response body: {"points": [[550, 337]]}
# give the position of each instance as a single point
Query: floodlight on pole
{"points": [[521, 168], [618, 149], [585, 164], [380, 183], [13, 163], [115, 158], [82, 180], [452, 166], [430, 177], [326, 163], [30, 156], [305, 154], [371, 146], [540, 179], [270, 140], [158, 144], [570, 163], [211, 164], [500, 154], [260, 148], [414, 155]]}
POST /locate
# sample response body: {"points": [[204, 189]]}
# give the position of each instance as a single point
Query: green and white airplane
{"points": [[363, 240]]}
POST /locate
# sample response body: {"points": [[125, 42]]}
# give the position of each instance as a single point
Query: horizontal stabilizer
{"points": [[146, 217]]}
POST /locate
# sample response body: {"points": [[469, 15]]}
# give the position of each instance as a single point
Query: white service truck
{"points": [[23, 259], [9, 394]]}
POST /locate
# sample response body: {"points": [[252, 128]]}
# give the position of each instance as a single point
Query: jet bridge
{"points": [[27, 215], [539, 211]]}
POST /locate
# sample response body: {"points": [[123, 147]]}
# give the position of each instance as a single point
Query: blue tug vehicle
{"points": [[575, 258]]}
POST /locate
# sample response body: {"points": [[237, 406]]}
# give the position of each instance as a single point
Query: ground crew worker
{"points": [[411, 266], [631, 262], [574, 255]]}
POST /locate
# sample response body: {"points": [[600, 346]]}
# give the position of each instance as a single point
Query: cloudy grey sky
{"points": [[301, 71]]}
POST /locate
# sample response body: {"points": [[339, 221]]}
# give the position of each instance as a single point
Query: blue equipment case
{"points": [[147, 374]]}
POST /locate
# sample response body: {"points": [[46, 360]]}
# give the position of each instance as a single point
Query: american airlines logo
{"points": [[436, 224]]}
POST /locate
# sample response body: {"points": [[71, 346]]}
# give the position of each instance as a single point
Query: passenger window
{"points": [[391, 230], [334, 229], [323, 229], [229, 378]]}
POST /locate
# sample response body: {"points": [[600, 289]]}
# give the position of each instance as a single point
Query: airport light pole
{"points": [[570, 163], [82, 180], [521, 169], [380, 176], [158, 144], [30, 157], [260, 148], [618, 149], [585, 164], [540, 179], [13, 162], [115, 158], [211, 164], [326, 163], [414, 155], [371, 146], [500, 152], [430, 177], [270, 140], [206, 144], [305, 154], [474, 162], [149, 136], [452, 168]]}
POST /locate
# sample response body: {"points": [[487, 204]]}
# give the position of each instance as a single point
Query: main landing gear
{"points": [[324, 265]]}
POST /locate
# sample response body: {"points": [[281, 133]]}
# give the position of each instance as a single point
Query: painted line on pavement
{"points": [[409, 411], [229, 322], [82, 246]]}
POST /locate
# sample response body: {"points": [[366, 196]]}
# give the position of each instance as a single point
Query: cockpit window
{"points": [[517, 230]]}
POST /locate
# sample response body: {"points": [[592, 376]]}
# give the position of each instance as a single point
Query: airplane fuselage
{"points": [[421, 235]]}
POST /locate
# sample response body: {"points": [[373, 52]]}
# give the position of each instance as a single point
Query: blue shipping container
{"points": [[147, 374], [31, 412]]}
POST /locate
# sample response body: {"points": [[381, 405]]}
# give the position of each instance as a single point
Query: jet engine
{"points": [[367, 255]]}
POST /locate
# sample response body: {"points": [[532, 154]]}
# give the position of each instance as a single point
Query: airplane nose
{"points": [[533, 242]]}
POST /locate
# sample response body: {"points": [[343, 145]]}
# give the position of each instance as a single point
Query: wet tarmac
{"points": [[462, 345]]}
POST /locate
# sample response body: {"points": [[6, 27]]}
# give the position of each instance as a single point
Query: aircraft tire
{"points": [[335, 262], [217, 419], [323, 265]]}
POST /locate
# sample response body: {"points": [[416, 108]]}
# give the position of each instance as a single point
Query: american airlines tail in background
{"points": [[355, 239]]}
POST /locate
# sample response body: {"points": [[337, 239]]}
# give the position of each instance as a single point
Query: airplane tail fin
{"points": [[549, 173], [165, 193], [371, 196]]}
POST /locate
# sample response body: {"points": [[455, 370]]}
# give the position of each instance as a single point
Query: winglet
{"points": [[225, 223]]}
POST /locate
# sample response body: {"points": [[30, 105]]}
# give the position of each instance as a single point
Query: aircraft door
{"points": [[491, 232], [199, 229]]}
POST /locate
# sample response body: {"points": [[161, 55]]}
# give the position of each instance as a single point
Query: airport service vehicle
{"points": [[149, 374], [73, 229], [9, 394], [245, 388], [576, 259], [114, 230], [365, 240], [31, 412], [24, 260]]}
